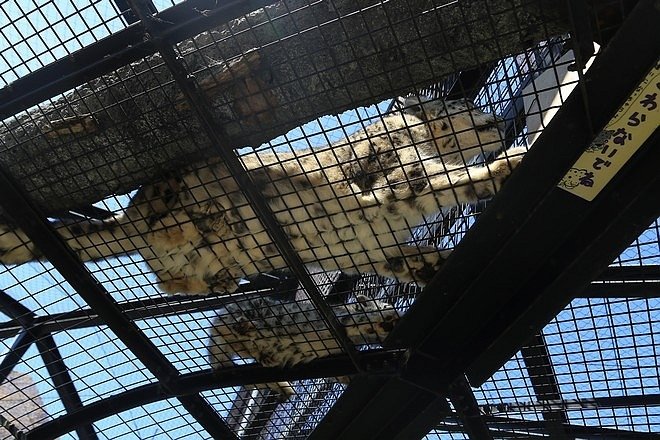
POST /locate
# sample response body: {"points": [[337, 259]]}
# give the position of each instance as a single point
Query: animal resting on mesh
{"points": [[347, 207], [284, 334]]}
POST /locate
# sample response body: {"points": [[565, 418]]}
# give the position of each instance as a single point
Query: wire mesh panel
{"points": [[34, 34], [215, 215]]}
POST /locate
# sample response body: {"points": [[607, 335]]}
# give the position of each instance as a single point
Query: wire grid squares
{"points": [[33, 35], [259, 413], [593, 371], [142, 96], [166, 419]]}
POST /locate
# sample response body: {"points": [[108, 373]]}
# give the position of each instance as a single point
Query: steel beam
{"points": [[35, 225], [526, 429], [630, 273], [15, 310], [381, 408], [621, 290], [133, 310], [513, 238], [640, 400], [544, 381], [206, 416], [599, 239], [51, 357]]}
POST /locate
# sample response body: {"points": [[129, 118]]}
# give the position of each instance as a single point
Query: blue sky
{"points": [[598, 347]]}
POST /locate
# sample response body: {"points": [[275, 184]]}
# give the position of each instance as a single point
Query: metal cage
{"points": [[541, 321]]}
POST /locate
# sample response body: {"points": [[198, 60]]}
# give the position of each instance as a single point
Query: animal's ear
{"points": [[362, 299]]}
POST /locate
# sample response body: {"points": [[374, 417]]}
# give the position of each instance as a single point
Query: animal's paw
{"points": [[14, 247], [284, 389], [428, 268], [500, 169], [507, 162], [418, 267], [222, 282]]}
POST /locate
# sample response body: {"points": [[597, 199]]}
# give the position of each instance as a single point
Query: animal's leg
{"points": [[433, 184], [220, 353], [408, 263], [173, 231], [219, 357], [469, 185], [183, 284]]}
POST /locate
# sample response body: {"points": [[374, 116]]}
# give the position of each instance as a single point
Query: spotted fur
{"points": [[285, 334], [347, 207]]}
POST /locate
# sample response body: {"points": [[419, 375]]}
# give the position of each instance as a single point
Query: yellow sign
{"points": [[632, 125]]}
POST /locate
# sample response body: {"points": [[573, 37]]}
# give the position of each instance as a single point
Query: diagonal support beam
{"points": [[467, 409], [18, 349], [381, 364], [64, 385], [544, 381], [51, 357]]}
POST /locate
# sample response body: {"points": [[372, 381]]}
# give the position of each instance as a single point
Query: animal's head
{"points": [[367, 320], [461, 131]]}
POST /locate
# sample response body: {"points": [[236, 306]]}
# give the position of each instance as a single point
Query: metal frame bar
{"points": [[133, 310], [374, 407], [380, 363], [467, 409], [515, 426], [169, 381], [586, 404], [630, 273], [164, 306], [37, 228], [501, 423], [500, 227], [621, 290], [537, 361], [18, 349], [539, 368], [629, 282], [611, 234]]}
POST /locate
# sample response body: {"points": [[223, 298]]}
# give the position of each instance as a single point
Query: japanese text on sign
{"points": [[632, 125]]}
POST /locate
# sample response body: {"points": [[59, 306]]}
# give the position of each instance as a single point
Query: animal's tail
{"points": [[284, 389], [94, 239], [90, 239]]}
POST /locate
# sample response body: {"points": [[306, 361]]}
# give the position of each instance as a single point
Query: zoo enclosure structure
{"points": [[531, 251]]}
